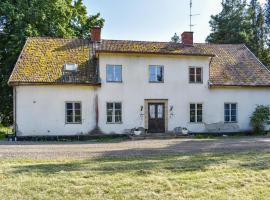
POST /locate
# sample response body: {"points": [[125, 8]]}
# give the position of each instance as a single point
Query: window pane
{"points": [[192, 118], [227, 112], [199, 118], [192, 75], [233, 112], [118, 112], [199, 106], [159, 74], [110, 73], [233, 106], [233, 118], [152, 74], [192, 107], [118, 119], [227, 118], [109, 119], [198, 78], [152, 111], [70, 112], [69, 105], [227, 106], [77, 119], [118, 73], [109, 105], [160, 111], [77, 112], [77, 106], [69, 119], [118, 106]]}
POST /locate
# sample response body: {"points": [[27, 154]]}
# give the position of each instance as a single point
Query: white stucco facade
{"points": [[40, 110]]}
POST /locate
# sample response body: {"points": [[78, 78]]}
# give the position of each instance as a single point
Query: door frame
{"points": [[146, 114]]}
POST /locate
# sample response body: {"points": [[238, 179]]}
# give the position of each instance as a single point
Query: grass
{"points": [[4, 131], [201, 176]]}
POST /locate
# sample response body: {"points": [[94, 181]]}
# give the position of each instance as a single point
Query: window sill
{"points": [[156, 81], [67, 123], [114, 81], [199, 123], [111, 123], [230, 122], [197, 83]]}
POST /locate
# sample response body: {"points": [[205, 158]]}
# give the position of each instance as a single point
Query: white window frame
{"points": [[113, 112], [114, 73], [156, 67], [196, 113], [73, 112], [195, 75], [230, 115]]}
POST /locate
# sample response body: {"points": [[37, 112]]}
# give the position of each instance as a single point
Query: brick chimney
{"points": [[187, 38], [95, 34]]}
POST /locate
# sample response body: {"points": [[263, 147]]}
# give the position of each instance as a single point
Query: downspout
{"points": [[209, 82], [15, 110]]}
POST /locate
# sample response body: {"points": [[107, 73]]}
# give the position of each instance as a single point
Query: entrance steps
{"points": [[158, 136]]}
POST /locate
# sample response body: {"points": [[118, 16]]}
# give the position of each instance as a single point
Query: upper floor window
{"points": [[230, 112], [196, 112], [114, 73], [114, 112], [73, 113], [195, 75], [156, 74]]}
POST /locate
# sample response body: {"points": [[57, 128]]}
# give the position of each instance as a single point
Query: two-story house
{"points": [[77, 86]]}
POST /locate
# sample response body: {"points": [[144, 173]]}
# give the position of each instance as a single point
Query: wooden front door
{"points": [[156, 118]]}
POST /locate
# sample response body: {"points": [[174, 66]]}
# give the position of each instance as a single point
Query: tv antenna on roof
{"points": [[191, 15]]}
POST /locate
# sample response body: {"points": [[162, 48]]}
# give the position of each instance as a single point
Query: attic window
{"points": [[70, 67]]}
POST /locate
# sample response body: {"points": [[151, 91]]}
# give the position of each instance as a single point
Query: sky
{"points": [[153, 20]]}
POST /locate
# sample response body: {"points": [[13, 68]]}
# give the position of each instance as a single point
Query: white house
{"points": [[76, 86]]}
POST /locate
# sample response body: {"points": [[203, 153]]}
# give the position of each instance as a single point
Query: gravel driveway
{"points": [[46, 150]]}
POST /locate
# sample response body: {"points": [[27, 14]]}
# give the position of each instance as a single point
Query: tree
{"points": [[267, 21], [260, 118], [258, 30], [239, 22], [229, 26], [20, 19], [175, 38]]}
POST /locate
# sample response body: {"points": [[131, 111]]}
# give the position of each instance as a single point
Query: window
{"points": [[73, 113], [114, 112], [71, 67], [196, 113], [114, 73], [155, 74], [230, 112], [195, 75]]}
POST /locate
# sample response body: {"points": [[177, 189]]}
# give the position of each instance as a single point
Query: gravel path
{"points": [[78, 150]]}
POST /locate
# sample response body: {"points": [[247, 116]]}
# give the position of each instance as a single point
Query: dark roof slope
{"points": [[42, 60]]}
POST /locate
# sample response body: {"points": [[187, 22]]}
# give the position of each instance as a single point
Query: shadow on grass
{"points": [[144, 165]]}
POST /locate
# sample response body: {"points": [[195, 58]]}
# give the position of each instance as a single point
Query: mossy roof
{"points": [[42, 60]]}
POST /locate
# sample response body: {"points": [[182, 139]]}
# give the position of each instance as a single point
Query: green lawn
{"points": [[202, 176]]}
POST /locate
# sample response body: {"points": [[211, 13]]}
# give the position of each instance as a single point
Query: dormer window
{"points": [[71, 67]]}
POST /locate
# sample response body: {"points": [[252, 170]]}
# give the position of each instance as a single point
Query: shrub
{"points": [[260, 118]]}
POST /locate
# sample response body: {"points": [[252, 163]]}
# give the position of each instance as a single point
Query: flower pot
{"points": [[137, 133], [184, 131]]}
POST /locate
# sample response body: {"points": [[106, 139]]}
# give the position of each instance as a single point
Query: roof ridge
{"points": [[54, 38]]}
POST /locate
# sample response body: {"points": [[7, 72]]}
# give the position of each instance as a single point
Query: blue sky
{"points": [[153, 20]]}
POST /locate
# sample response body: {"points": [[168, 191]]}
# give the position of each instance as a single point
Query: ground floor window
{"points": [[114, 112], [230, 112], [196, 111], [73, 113]]}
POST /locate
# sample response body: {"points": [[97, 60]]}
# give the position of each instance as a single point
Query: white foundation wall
{"points": [[135, 89], [40, 110]]}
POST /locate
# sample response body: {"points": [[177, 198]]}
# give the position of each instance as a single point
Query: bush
{"points": [[260, 118]]}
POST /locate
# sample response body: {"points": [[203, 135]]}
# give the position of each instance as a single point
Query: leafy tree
{"points": [[175, 38], [20, 19], [239, 22], [260, 118], [267, 21], [229, 26]]}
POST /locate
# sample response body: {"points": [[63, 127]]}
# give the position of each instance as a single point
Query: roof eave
{"points": [[154, 53], [20, 83]]}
